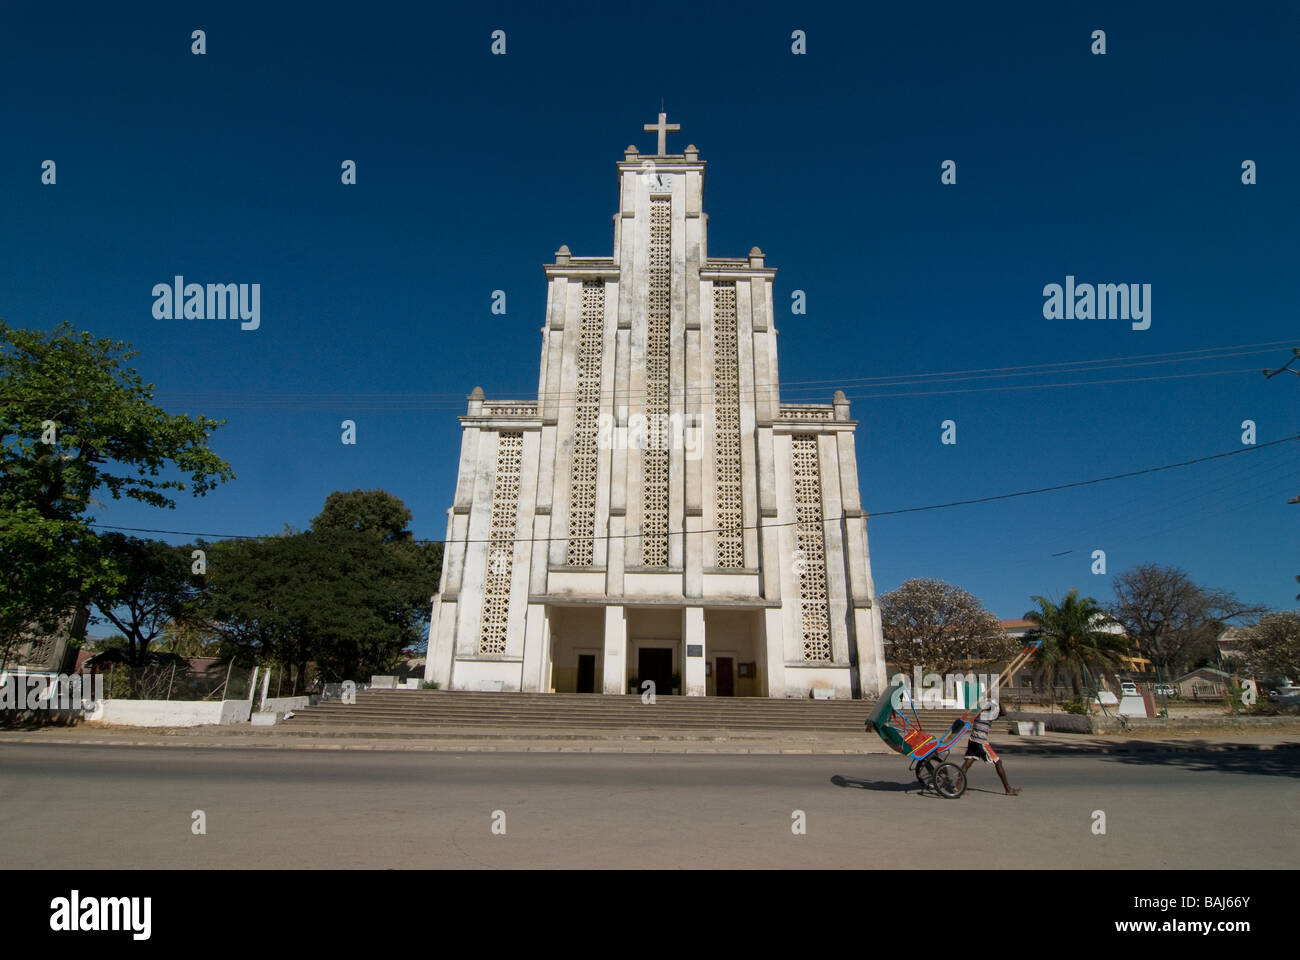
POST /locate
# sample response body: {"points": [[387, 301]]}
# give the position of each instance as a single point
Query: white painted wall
{"points": [[172, 713], [283, 704]]}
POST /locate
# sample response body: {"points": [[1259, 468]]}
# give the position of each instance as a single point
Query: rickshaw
{"points": [[929, 755]]}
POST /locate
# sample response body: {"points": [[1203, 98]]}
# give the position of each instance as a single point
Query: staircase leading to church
{"points": [[429, 710]]}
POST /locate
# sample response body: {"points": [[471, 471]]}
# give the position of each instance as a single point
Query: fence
{"points": [[177, 681], [282, 681]]}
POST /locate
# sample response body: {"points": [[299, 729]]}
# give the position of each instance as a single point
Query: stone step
{"points": [[617, 735], [432, 709], [647, 717], [661, 704], [413, 699], [618, 723], [497, 699]]}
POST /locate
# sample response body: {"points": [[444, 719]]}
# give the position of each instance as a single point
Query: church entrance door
{"points": [[656, 663], [726, 679], [586, 673]]}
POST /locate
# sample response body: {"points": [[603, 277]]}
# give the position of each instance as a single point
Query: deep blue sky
{"points": [[473, 169]]}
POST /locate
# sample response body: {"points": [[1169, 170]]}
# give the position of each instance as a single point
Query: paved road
{"points": [[73, 806]]}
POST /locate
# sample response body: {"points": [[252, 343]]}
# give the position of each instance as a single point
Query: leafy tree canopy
{"points": [[76, 421], [1076, 643], [374, 512], [348, 595], [156, 591]]}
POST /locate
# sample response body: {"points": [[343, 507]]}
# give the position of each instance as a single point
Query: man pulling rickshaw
{"points": [[929, 754]]}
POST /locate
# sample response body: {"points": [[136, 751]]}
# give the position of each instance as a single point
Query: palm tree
{"points": [[1074, 645]]}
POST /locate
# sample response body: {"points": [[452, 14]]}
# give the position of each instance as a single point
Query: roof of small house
{"points": [[1206, 672]]}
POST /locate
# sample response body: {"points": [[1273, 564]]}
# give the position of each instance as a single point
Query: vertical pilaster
{"points": [[679, 347], [534, 667], [774, 644], [479, 531], [693, 679], [768, 536], [615, 674], [837, 600], [707, 427], [614, 570], [634, 269], [565, 414], [610, 455], [693, 577]]}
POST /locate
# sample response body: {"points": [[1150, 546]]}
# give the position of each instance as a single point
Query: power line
{"points": [[1085, 483], [1140, 359], [249, 399], [1046, 386], [376, 403], [788, 523], [1131, 516]]}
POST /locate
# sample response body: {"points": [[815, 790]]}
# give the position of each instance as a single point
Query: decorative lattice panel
{"points": [[501, 544], [726, 428], [582, 487], [654, 517], [811, 543]]}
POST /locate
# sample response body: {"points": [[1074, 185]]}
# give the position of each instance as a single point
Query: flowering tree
{"points": [[1272, 646], [936, 626]]}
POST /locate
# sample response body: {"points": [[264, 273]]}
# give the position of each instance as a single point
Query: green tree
{"points": [[374, 512], [254, 600], [379, 514], [1075, 643], [348, 595], [189, 637], [156, 591], [76, 422], [377, 597]]}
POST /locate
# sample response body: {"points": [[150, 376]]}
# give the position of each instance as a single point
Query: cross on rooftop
{"points": [[663, 128]]}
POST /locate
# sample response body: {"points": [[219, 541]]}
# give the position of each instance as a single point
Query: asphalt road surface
{"points": [[125, 807]]}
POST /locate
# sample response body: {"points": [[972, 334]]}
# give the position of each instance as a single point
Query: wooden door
{"points": [[724, 676]]}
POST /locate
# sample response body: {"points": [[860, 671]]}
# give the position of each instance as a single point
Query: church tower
{"points": [[657, 513]]}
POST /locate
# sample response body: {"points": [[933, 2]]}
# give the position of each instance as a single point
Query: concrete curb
{"points": [[643, 747]]}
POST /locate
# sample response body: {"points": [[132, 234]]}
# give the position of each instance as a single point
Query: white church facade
{"points": [[657, 513]]}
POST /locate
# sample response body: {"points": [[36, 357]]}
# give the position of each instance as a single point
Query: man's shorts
{"points": [[981, 751]]}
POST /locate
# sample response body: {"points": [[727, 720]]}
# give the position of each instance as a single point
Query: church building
{"points": [[657, 513]]}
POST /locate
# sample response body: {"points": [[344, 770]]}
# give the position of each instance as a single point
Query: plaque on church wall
{"points": [[695, 649]]}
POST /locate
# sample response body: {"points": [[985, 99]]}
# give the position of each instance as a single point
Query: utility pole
{"points": [[1295, 355]]}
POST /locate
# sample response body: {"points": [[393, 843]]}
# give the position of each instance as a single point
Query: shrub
{"points": [[1074, 705]]}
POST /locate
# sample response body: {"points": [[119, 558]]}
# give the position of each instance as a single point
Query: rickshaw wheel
{"points": [[925, 772], [950, 781]]}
